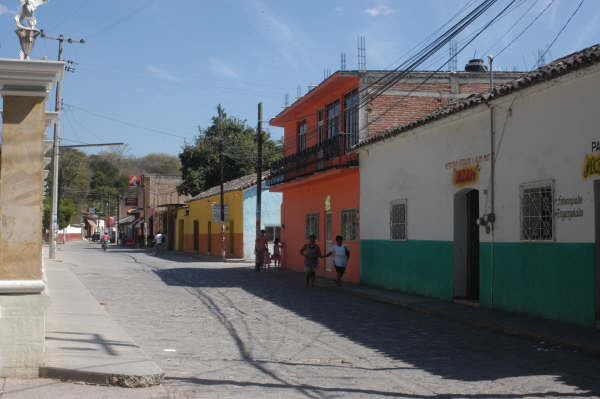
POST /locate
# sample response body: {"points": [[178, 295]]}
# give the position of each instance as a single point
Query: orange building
{"points": [[319, 175]]}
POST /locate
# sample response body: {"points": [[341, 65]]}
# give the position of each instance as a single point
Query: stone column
{"points": [[21, 272], [23, 301]]}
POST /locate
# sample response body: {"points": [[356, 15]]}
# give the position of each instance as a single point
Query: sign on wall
{"points": [[465, 176], [131, 201], [216, 213], [134, 181]]}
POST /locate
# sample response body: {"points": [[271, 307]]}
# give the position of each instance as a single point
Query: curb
{"points": [[98, 378], [492, 326]]}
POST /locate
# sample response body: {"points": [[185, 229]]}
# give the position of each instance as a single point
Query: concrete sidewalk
{"points": [[551, 332], [84, 344]]}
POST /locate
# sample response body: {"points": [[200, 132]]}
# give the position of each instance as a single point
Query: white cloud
{"points": [[220, 68], [382, 9], [339, 9], [163, 75], [4, 9], [288, 43]]}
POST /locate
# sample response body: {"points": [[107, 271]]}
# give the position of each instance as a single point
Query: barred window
{"points": [[321, 124], [350, 224], [537, 215], [333, 119], [302, 136], [312, 225], [350, 119], [398, 221]]}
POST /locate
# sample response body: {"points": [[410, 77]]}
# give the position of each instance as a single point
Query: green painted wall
{"points": [[551, 280], [418, 267]]}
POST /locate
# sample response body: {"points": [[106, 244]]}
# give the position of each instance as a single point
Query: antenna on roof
{"points": [[326, 73], [287, 100], [541, 58], [362, 53], [298, 92], [453, 62], [343, 62]]}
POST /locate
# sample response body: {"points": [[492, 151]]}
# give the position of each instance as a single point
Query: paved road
{"points": [[223, 331]]}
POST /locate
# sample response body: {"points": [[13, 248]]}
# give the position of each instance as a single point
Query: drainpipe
{"points": [[492, 216]]}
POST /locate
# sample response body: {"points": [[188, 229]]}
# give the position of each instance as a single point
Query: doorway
{"points": [[466, 245], [209, 239], [180, 236], [328, 241], [196, 236], [597, 251]]}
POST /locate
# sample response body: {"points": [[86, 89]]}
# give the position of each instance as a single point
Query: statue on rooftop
{"points": [[27, 13]]}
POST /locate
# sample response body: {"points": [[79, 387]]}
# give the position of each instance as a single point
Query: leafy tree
{"points": [[159, 164], [200, 161], [66, 213]]}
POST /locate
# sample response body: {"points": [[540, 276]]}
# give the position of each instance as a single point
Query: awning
{"points": [[127, 219]]}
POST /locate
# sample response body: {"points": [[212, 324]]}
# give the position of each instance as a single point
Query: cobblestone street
{"points": [[221, 330]]}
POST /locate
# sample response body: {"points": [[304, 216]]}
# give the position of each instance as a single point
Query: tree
{"points": [[66, 213], [200, 161], [159, 164]]}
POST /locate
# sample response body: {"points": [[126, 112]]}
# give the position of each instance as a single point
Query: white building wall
{"points": [[546, 136]]}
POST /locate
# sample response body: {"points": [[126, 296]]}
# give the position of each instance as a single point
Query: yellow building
{"points": [[197, 231]]}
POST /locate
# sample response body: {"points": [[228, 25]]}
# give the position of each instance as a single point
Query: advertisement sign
{"points": [[134, 181], [216, 213], [131, 201]]}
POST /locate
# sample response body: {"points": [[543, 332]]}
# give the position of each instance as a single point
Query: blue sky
{"points": [[166, 65]]}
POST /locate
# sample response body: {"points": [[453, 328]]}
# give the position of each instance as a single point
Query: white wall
{"points": [[546, 136]]}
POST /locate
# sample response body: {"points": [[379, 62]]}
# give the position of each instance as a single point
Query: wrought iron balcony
{"points": [[329, 154]]}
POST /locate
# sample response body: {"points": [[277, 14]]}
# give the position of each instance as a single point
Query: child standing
{"points": [[277, 245]]}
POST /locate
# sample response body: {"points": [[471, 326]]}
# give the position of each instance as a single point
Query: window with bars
{"points": [[272, 233], [312, 225], [537, 212], [398, 221], [350, 224], [333, 119], [321, 124], [350, 119], [302, 136]]}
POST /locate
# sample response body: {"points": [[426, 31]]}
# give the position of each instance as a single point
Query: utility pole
{"points": [[145, 198], [56, 143], [118, 218], [222, 167], [259, 178]]}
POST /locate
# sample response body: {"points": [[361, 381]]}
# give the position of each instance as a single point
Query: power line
{"points": [[129, 124], [511, 27], [562, 29], [526, 28], [119, 21]]}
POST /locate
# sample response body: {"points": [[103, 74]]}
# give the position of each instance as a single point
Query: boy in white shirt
{"points": [[341, 254]]}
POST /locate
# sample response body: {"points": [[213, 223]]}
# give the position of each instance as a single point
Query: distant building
{"points": [[199, 228], [319, 176], [153, 205]]}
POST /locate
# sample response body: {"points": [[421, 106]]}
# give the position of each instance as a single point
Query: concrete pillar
{"points": [[23, 300], [21, 271]]}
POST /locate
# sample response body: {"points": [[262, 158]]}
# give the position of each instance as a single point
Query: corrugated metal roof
{"points": [[562, 66]]}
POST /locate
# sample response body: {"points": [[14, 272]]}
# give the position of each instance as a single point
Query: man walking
{"points": [[260, 250], [341, 254]]}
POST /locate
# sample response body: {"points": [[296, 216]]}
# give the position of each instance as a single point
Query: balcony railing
{"points": [[329, 154]]}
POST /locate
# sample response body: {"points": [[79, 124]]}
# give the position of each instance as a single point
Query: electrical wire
{"points": [[511, 27], [119, 21], [526, 28], [561, 30], [129, 124], [485, 27]]}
